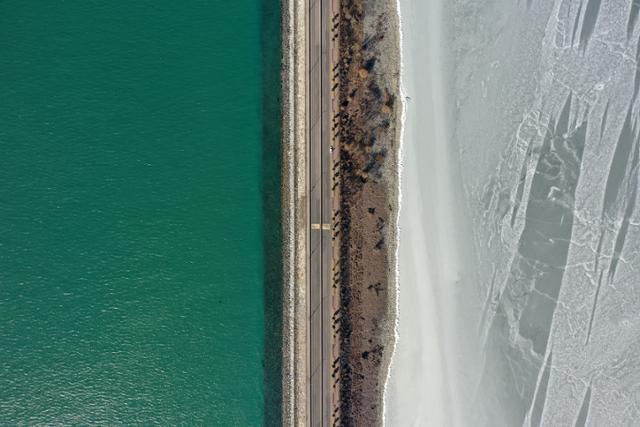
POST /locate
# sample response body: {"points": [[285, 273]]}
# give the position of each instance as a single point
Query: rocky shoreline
{"points": [[294, 374]]}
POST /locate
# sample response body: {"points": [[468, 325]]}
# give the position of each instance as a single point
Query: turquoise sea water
{"points": [[139, 212]]}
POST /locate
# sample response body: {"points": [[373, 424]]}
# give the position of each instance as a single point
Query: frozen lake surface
{"points": [[546, 123], [543, 117]]}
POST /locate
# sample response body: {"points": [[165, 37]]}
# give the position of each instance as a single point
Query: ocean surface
{"points": [[139, 212]]}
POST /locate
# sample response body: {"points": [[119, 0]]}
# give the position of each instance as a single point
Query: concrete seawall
{"points": [[294, 213]]}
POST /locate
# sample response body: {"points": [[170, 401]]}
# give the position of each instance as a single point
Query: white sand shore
{"points": [[423, 386]]}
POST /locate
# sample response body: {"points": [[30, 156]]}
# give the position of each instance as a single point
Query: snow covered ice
{"points": [[546, 121]]}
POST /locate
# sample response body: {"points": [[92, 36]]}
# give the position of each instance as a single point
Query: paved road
{"points": [[320, 250]]}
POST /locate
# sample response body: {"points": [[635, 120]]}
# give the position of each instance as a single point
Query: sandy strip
{"points": [[422, 387]]}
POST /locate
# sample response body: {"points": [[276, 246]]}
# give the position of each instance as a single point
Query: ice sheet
{"points": [[542, 111]]}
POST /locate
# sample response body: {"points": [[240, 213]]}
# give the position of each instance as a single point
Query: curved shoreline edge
{"points": [[433, 348], [293, 214], [395, 280]]}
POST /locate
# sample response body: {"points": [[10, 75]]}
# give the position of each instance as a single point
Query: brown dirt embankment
{"points": [[367, 130]]}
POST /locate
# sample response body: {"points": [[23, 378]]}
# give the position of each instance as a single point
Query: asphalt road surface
{"points": [[320, 250]]}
